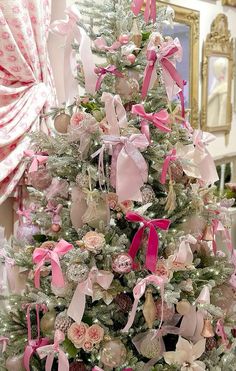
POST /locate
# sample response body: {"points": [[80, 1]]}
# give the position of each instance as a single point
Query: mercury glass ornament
{"points": [[77, 366], [47, 323], [63, 322], [61, 123], [211, 343], [148, 195], [122, 263], [40, 179], [150, 347], [15, 363], [77, 272], [176, 170], [127, 88], [82, 180], [124, 302], [113, 353], [168, 311]]}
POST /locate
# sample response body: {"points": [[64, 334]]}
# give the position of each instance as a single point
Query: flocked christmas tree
{"points": [[117, 239]]}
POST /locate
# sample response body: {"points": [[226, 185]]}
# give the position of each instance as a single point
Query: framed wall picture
{"points": [[229, 2], [217, 75], [186, 28]]}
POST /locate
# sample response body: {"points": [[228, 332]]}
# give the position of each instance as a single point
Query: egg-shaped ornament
{"points": [[61, 123], [122, 263]]}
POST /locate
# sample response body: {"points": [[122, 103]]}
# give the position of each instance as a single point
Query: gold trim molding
{"points": [[229, 2]]}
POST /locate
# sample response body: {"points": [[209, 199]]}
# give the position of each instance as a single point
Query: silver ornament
{"points": [[176, 170], [77, 272], [148, 195], [82, 180], [63, 322]]}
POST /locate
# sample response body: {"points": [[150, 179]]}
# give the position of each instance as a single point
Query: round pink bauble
{"points": [[124, 39], [131, 58], [25, 233], [40, 179], [113, 353], [15, 363], [122, 263], [55, 227]]}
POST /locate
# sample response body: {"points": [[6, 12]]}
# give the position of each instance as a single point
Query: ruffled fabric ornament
{"points": [[186, 355]]}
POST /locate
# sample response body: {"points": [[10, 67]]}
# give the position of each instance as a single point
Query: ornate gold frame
{"points": [[191, 18], [218, 43], [229, 2]]}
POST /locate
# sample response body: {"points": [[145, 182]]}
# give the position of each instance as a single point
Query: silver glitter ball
{"points": [[176, 170], [148, 195], [63, 322], [82, 180], [77, 272]]}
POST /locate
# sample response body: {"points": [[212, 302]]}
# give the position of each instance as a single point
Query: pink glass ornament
{"points": [[25, 233], [55, 227], [15, 363], [40, 179], [122, 263], [124, 39], [131, 58], [113, 353]]}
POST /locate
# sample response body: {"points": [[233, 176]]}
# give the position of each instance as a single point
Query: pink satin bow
{"points": [[220, 331], [101, 44], [49, 351], [102, 71], [38, 159], [70, 28], [153, 240], [4, 340], [41, 255], [150, 9], [78, 302], [115, 113], [171, 156], [139, 291], [26, 213], [54, 210], [129, 170], [33, 345], [159, 119]]}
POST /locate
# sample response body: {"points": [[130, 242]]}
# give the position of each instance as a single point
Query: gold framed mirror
{"points": [[217, 75], [186, 28]]}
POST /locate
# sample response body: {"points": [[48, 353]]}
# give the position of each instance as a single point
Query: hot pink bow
{"points": [[102, 71], [33, 345], [78, 302], [37, 160], [129, 170], [101, 44], [159, 119], [55, 211], [153, 240], [49, 351], [150, 9], [115, 113], [70, 28], [4, 340], [171, 156], [139, 291], [41, 255], [220, 331]]}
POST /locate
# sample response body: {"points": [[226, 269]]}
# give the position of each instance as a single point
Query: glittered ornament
{"points": [[25, 233], [176, 170], [183, 307], [40, 179], [63, 322], [113, 353], [15, 363], [168, 310], [47, 323], [150, 346], [77, 366], [61, 123], [55, 227], [148, 195], [77, 272], [124, 302], [82, 180], [122, 263], [149, 309], [127, 88], [211, 343]]}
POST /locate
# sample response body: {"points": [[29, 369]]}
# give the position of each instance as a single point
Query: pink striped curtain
{"points": [[26, 83]]}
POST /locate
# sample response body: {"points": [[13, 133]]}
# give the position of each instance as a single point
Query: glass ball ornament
{"points": [[55, 228], [47, 323], [77, 366], [63, 322], [15, 363], [168, 311], [148, 195], [127, 88], [150, 346], [122, 263], [25, 233], [124, 302], [82, 180], [113, 353], [77, 272], [40, 179], [61, 123]]}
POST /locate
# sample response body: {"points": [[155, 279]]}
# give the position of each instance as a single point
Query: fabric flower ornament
{"points": [[76, 334], [94, 241], [186, 355], [76, 118]]}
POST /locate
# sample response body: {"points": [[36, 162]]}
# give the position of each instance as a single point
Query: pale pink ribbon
{"points": [[232, 280], [4, 340], [220, 331], [33, 344], [184, 256], [150, 9], [37, 159], [41, 255], [139, 291], [101, 44], [54, 210], [78, 302], [159, 119], [115, 113], [102, 71], [129, 169], [206, 166], [49, 351], [72, 30], [171, 156], [218, 227]]}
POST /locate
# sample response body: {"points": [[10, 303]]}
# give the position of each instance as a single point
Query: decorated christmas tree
{"points": [[123, 258]]}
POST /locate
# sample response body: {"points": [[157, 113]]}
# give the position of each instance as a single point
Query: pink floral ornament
{"points": [[93, 241], [76, 118], [76, 333]]}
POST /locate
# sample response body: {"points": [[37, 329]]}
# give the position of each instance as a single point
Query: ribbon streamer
{"points": [[78, 302], [171, 156], [102, 71], [41, 256], [115, 113], [37, 159], [72, 30], [159, 119], [153, 239], [49, 351], [150, 12], [139, 291], [220, 331]]}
